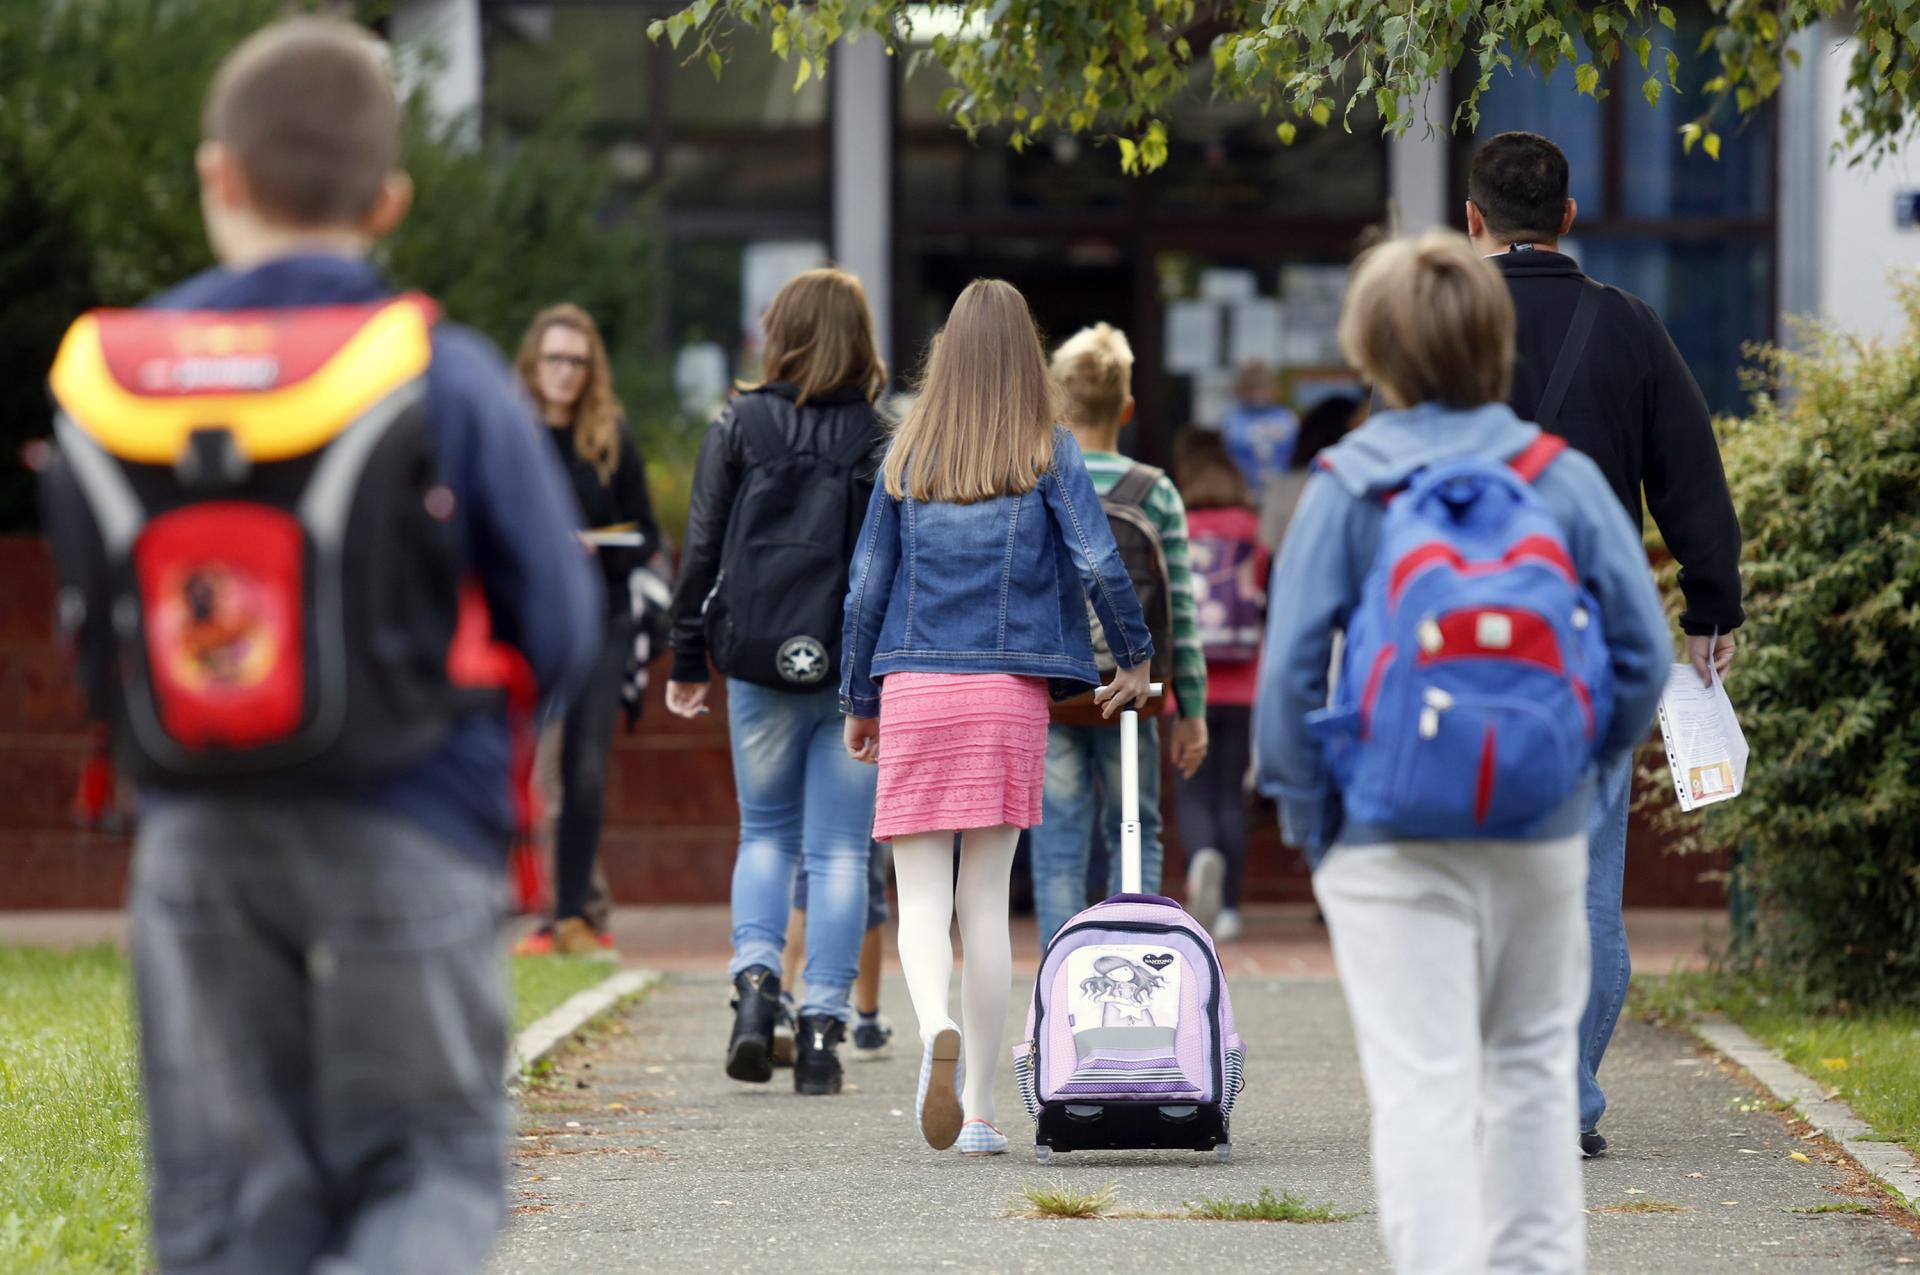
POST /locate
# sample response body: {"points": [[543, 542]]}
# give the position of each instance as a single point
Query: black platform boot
{"points": [[816, 1068], [756, 1002]]}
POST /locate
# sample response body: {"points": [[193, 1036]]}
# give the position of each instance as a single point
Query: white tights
{"points": [[923, 870]]}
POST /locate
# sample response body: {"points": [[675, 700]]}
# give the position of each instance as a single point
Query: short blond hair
{"points": [[1429, 321], [1094, 369], [982, 425]]}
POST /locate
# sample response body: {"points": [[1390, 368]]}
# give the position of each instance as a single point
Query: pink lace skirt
{"points": [[959, 751]]}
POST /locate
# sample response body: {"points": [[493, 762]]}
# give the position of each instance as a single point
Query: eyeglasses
{"points": [[578, 362]]}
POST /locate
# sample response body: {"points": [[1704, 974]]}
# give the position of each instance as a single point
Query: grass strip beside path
{"points": [[1871, 1058], [72, 1181], [541, 984], [72, 1174]]}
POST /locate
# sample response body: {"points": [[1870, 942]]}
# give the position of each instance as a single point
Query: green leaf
{"points": [[1587, 78], [1286, 131], [716, 63], [1643, 47], [1673, 68], [1667, 19], [805, 74], [656, 29], [1712, 145], [1321, 113], [1651, 91], [1689, 134], [1129, 156], [677, 27]]}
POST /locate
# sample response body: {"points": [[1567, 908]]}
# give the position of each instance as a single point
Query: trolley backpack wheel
{"points": [[1130, 1041]]}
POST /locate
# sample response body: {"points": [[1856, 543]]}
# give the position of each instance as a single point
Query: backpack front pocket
{"points": [[1481, 765]]}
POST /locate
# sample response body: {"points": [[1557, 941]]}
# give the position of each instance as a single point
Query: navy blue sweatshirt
{"points": [[515, 518]]}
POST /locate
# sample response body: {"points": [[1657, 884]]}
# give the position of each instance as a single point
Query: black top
{"points": [[624, 498], [1633, 407], [822, 424]]}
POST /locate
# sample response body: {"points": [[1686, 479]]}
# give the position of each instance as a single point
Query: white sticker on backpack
{"points": [[1123, 985]]}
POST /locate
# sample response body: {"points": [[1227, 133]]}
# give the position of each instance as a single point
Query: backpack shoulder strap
{"points": [[1136, 485], [1571, 351], [1532, 460], [760, 434], [856, 446]]}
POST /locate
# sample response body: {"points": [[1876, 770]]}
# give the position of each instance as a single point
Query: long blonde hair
{"points": [[819, 333], [597, 413], [982, 425]]}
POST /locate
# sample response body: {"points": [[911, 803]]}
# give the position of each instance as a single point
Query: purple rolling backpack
{"points": [[1130, 1042]]}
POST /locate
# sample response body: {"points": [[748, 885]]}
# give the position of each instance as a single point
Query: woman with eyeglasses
{"points": [[563, 364]]}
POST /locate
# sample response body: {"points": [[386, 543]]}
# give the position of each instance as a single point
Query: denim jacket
{"points": [[999, 586]]}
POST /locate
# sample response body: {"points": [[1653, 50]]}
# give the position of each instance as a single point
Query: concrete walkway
{"points": [[644, 1157]]}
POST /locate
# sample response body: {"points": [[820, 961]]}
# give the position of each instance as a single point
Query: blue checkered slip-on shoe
{"points": [[979, 1137], [937, 1108]]}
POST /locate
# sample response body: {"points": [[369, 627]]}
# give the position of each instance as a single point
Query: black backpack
{"points": [[1146, 561], [775, 612]]}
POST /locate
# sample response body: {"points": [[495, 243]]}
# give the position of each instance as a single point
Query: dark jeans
{"points": [[1212, 806], [586, 741], [323, 1032]]}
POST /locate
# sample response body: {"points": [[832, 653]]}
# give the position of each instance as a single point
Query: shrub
{"points": [[1826, 476], [99, 205]]}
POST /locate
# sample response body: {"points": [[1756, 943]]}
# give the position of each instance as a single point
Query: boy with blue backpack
{"points": [[1503, 638]]}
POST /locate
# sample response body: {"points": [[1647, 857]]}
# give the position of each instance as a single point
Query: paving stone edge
{"points": [[542, 1036], [1888, 1162]]}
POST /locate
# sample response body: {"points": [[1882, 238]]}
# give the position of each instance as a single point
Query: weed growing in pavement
{"points": [[1835, 1206], [1288, 1206], [1062, 1200]]}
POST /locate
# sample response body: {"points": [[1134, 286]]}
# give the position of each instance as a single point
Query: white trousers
{"points": [[1464, 965]]}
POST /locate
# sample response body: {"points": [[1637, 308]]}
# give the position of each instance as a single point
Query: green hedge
{"points": [[99, 205], [1826, 475]]}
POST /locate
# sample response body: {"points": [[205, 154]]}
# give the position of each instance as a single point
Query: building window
{"points": [[738, 168]]}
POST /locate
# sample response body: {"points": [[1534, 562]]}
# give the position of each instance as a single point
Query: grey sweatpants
{"points": [[322, 1034]]}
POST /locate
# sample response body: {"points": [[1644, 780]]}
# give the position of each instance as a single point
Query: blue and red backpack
{"points": [[1475, 685]]}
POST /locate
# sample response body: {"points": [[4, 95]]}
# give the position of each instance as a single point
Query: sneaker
{"points": [[872, 1038], [1206, 881], [575, 936], [783, 1022], [1592, 1145], [537, 943], [1227, 928], [937, 1107], [979, 1137], [816, 1068], [756, 1002]]}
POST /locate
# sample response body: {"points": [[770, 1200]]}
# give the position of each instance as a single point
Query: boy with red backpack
{"points": [[1503, 640], [314, 561]]}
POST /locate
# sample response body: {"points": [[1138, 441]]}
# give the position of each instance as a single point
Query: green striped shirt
{"points": [[1168, 513]]}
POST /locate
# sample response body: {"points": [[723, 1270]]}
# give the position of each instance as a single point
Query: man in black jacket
{"points": [[1626, 399]]}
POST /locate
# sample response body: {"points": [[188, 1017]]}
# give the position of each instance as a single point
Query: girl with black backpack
{"points": [[783, 478]]}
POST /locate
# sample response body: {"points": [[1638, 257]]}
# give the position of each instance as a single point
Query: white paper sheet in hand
{"points": [[1705, 748]]}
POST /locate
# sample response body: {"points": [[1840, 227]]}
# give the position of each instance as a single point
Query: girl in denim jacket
{"points": [[982, 545]]}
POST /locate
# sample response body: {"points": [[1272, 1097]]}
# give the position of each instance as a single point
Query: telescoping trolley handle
{"points": [[1130, 794]]}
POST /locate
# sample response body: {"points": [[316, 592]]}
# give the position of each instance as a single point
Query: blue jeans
{"points": [[802, 800], [1607, 929], [1083, 782], [876, 886]]}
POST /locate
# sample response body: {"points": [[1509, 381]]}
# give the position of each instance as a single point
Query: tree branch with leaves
{"points": [[1118, 67]]}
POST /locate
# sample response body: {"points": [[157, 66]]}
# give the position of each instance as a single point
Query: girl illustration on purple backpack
{"points": [[1123, 990]]}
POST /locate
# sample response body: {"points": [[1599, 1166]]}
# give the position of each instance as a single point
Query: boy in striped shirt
{"points": [[1094, 369]]}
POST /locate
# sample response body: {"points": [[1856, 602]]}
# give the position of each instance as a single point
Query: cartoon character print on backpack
{"points": [[1123, 1002], [1230, 600]]}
